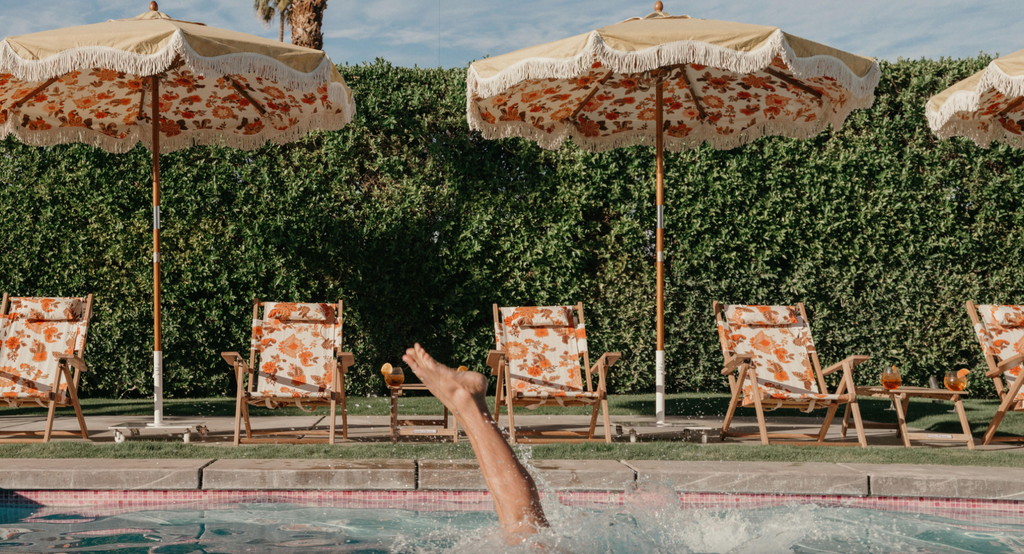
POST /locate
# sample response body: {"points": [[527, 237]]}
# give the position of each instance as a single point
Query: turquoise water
{"points": [[649, 523]]}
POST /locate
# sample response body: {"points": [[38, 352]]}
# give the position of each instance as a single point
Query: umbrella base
{"points": [[173, 423], [186, 427]]}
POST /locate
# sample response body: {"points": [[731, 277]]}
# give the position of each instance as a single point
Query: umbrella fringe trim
{"points": [[701, 134], [686, 51], [553, 141], [84, 58], [983, 138], [262, 66], [945, 123], [143, 133], [88, 57]]}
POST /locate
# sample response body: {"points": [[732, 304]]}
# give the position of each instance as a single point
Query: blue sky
{"points": [[409, 32]]}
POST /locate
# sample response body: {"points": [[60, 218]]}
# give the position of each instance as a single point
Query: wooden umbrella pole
{"points": [[158, 363], [659, 403]]}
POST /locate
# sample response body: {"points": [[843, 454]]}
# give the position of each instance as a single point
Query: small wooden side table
{"points": [[900, 398], [420, 426]]}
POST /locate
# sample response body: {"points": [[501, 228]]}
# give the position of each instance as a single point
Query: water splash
{"points": [[651, 520]]}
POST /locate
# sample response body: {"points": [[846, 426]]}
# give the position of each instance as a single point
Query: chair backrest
{"points": [[37, 331], [1000, 330], [298, 346], [778, 340], [542, 346]]}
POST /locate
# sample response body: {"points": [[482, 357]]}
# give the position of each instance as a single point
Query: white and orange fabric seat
{"points": [[301, 363], [1000, 330], [537, 361], [778, 365], [41, 339]]}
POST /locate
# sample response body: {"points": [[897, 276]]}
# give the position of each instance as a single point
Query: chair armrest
{"points": [[608, 359], [494, 357], [603, 363], [854, 361], [234, 359], [347, 360], [734, 361], [75, 361], [1009, 363]]}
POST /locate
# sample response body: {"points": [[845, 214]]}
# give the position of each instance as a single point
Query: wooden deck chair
{"points": [[773, 350], [537, 361], [301, 363], [1000, 330], [39, 339]]}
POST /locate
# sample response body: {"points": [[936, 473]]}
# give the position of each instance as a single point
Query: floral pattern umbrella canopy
{"points": [[985, 107], [93, 84], [168, 84], [723, 83], [672, 81]]}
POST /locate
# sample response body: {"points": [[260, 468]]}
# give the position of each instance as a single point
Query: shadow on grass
{"points": [[684, 405]]}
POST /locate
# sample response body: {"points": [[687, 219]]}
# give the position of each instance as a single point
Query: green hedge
{"points": [[419, 225]]}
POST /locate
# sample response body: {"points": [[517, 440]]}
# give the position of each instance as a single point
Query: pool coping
{"points": [[21, 475]]}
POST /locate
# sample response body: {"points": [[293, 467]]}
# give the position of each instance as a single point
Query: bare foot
{"points": [[457, 390]]}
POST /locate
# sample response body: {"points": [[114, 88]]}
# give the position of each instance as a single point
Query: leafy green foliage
{"points": [[420, 225]]}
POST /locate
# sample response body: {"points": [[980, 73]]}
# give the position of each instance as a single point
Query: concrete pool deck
{"points": [[719, 477], [363, 429], [772, 478]]}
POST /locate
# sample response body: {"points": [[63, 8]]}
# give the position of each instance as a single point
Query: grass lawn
{"points": [[922, 414]]}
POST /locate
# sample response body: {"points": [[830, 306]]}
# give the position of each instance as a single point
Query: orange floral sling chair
{"points": [[537, 361], [41, 339], [300, 364], [1000, 330], [772, 349]]}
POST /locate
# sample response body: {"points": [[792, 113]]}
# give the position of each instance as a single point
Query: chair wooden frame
{"points": [[496, 360], [845, 390], [418, 426], [53, 400], [900, 399], [342, 361], [1006, 392]]}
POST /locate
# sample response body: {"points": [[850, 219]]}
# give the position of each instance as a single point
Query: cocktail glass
{"points": [[891, 379], [393, 376], [956, 381]]}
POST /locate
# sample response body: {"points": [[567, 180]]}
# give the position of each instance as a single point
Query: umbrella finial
{"points": [[658, 6], [153, 7]]}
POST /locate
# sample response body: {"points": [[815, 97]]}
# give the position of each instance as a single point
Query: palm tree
{"points": [[267, 9], [307, 23]]}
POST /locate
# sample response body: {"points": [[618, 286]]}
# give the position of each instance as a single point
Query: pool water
{"points": [[650, 521]]}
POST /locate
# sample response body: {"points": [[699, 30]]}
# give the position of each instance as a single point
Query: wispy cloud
{"points": [[420, 32]]}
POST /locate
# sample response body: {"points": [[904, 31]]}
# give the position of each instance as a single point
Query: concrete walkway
{"points": [[552, 475], [364, 429]]}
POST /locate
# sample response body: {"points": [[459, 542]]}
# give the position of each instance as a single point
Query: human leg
{"points": [[513, 490]]}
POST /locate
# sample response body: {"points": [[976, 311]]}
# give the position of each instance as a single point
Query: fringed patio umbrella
{"points": [[985, 107], [168, 84], [674, 81]]}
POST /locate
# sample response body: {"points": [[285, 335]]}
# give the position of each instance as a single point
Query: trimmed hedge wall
{"points": [[420, 225]]}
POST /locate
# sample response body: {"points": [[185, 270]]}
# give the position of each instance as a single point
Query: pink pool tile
{"points": [[104, 503]]}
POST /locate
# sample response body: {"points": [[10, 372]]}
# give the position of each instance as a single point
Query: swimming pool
{"points": [[648, 519]]}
